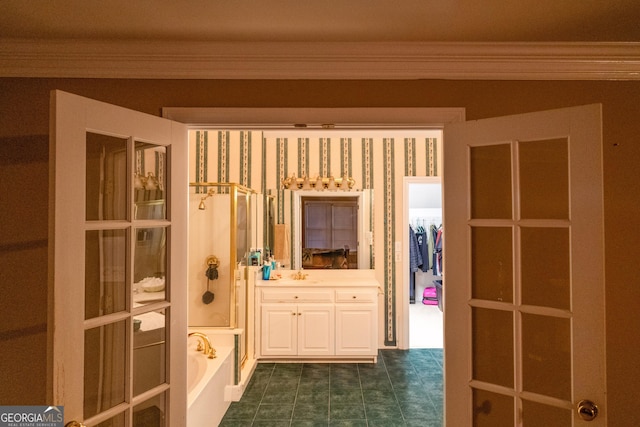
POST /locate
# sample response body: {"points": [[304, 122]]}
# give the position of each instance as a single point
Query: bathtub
{"points": [[207, 380], [242, 370]]}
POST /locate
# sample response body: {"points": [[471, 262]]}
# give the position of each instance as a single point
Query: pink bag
{"points": [[429, 296]]}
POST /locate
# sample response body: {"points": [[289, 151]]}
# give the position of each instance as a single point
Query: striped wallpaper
{"points": [[377, 160]]}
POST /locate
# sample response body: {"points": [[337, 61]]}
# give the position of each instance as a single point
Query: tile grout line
{"points": [[273, 368], [364, 408], [329, 404], [295, 398], [395, 396]]}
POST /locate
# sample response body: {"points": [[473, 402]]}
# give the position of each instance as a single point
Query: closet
{"points": [[426, 236]]}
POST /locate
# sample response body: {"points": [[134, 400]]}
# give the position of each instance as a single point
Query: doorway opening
{"points": [[394, 314], [424, 275]]}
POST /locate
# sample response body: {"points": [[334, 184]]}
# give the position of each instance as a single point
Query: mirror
{"points": [[269, 219], [150, 203], [329, 229]]}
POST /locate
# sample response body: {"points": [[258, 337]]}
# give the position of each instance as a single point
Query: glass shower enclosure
{"points": [[219, 242]]}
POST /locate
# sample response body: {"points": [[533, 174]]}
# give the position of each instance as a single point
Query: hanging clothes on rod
{"points": [[415, 262], [437, 234], [423, 247]]}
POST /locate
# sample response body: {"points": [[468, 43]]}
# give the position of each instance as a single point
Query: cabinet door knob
{"points": [[354, 297]]}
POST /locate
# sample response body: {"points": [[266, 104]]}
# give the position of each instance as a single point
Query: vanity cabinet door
{"points": [[279, 330], [356, 330], [297, 330], [316, 330]]}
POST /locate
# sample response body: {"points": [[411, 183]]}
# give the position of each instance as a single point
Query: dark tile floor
{"points": [[403, 389]]}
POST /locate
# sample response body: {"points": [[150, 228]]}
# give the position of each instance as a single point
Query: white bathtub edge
{"points": [[223, 353], [206, 404]]}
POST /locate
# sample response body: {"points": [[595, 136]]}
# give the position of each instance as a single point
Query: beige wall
{"points": [[23, 267], [24, 131]]}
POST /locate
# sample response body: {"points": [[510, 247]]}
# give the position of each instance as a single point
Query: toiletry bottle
{"points": [[253, 258], [266, 271]]}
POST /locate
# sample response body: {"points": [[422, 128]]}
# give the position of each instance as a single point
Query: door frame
{"points": [[404, 336], [316, 118], [401, 119]]}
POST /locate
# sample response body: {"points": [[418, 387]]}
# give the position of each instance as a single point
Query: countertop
{"points": [[334, 278]]}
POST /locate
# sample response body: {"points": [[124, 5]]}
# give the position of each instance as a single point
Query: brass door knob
{"points": [[587, 410]]}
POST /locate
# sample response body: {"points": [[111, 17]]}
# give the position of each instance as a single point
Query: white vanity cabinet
{"points": [[316, 322]]}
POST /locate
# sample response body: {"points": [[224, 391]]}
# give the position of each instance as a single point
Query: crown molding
{"points": [[319, 60]]}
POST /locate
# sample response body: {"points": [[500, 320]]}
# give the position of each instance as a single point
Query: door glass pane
{"points": [[150, 265], [492, 409], [537, 414], [492, 334], [117, 421], [105, 272], [544, 179], [492, 263], [490, 179], [545, 267], [150, 181], [546, 355], [151, 412], [104, 367], [106, 177], [149, 351]]}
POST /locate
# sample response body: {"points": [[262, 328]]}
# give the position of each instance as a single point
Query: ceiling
{"points": [[324, 21], [322, 39]]}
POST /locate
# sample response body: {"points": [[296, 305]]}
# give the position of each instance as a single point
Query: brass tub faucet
{"points": [[208, 349]]}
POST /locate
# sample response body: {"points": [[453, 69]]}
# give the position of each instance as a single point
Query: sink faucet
{"points": [[209, 351], [299, 275]]}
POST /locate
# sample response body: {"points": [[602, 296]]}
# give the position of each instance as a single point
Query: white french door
{"points": [[118, 253], [524, 270]]}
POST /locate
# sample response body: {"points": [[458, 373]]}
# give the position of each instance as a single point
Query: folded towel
{"points": [[152, 284], [281, 251]]}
